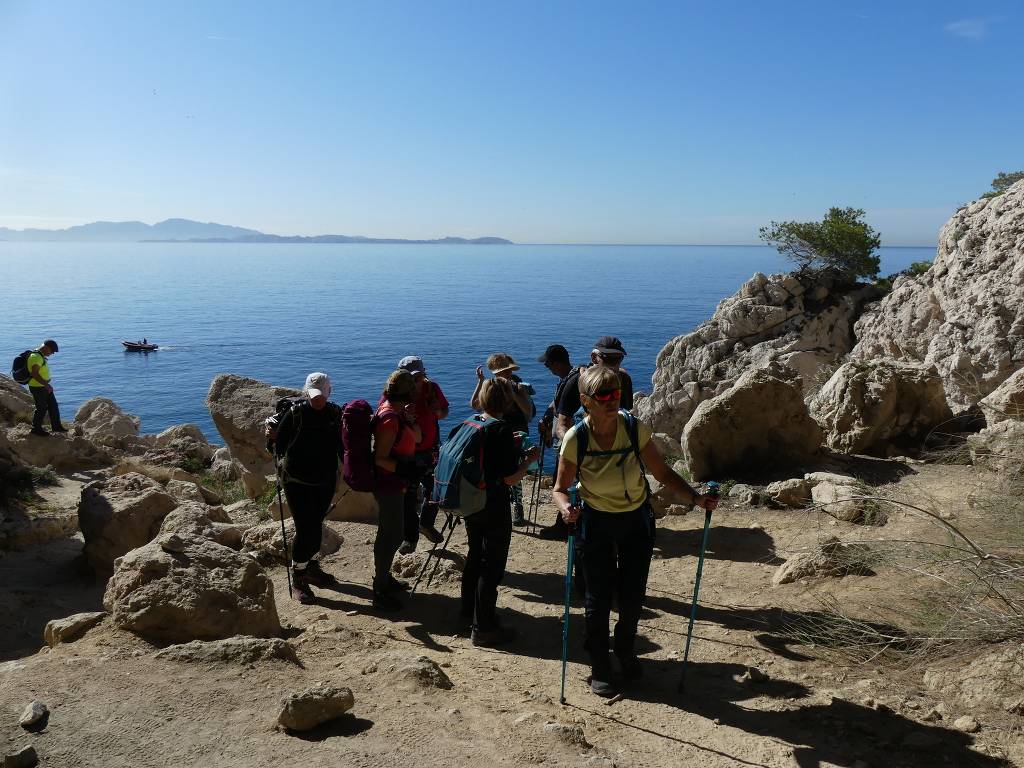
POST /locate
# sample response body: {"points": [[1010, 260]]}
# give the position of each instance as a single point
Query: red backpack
{"points": [[358, 466]]}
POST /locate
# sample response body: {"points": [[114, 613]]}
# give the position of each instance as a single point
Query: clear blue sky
{"points": [[638, 122]]}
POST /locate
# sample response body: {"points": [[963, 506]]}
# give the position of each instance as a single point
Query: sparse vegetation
{"points": [[229, 490], [841, 246], [1002, 182], [918, 268]]}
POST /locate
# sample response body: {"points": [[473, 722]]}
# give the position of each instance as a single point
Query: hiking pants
{"points": [[390, 529], [490, 533], [415, 511], [46, 402], [617, 549], [309, 505]]}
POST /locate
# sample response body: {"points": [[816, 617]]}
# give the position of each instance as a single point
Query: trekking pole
{"points": [[535, 496], [571, 550], [430, 554], [712, 491], [437, 559], [284, 533]]}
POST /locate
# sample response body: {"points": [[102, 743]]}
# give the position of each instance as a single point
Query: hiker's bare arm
{"points": [[564, 425], [384, 440], [474, 401], [664, 474], [566, 477], [519, 474]]}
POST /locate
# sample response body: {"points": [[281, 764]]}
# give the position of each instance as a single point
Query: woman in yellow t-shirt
{"points": [[617, 528]]}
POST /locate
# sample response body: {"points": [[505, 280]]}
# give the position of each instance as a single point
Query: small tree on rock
{"points": [[1003, 181], [842, 245]]}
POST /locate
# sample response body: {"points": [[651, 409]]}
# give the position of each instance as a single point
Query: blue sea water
{"points": [[277, 312]]}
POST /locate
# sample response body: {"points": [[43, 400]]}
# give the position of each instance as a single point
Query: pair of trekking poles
{"points": [[713, 490]]}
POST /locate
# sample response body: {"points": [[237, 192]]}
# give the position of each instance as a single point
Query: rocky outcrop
{"points": [[70, 628], [1006, 402], [802, 323], [176, 589], [16, 403], [880, 408], [187, 439], [104, 423], [790, 493], [264, 541], [68, 452], [829, 559], [965, 315], [759, 423], [239, 406], [196, 519], [119, 514]]}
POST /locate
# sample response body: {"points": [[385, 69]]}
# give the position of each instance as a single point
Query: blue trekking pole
{"points": [[573, 500], [712, 491]]}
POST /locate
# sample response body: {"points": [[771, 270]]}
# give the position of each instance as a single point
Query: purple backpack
{"points": [[357, 436]]}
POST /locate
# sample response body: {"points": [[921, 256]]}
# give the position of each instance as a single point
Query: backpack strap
{"points": [[632, 429]]}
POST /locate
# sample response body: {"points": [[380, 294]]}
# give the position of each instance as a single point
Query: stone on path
{"points": [[25, 757], [70, 628], [314, 706], [33, 713], [240, 649]]}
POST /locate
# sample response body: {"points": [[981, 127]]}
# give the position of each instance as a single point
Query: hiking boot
{"points": [[41, 432], [518, 519], [300, 588], [464, 626], [489, 638], [395, 585], [431, 534], [383, 601], [407, 548], [317, 576], [601, 685], [631, 667]]}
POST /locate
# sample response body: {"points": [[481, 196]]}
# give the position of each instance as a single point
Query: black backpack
{"points": [[19, 368]]}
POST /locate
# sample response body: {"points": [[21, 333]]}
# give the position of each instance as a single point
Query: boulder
{"points": [[314, 706], [661, 498], [1006, 402], [843, 502], [236, 650], [16, 404], [223, 467], [745, 494], [239, 407], [803, 323], [245, 513], [999, 448], [195, 519], [199, 590], [667, 445], [33, 713], [829, 559], [880, 408], [184, 491], [119, 514], [187, 438], [790, 493], [70, 628], [264, 542], [65, 453], [965, 315], [104, 423], [760, 422]]}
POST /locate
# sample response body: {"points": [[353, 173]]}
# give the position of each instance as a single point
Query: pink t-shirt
{"points": [[390, 420]]}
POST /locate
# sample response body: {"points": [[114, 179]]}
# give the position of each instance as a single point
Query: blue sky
{"points": [[638, 122]]}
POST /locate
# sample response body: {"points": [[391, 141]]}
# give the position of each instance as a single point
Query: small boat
{"points": [[138, 346]]}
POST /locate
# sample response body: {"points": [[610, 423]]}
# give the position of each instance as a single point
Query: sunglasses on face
{"points": [[610, 358], [607, 395]]}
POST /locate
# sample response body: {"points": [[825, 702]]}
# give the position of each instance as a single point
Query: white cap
{"points": [[317, 384]]}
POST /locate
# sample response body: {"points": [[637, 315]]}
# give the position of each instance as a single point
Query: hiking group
{"points": [[394, 450]]}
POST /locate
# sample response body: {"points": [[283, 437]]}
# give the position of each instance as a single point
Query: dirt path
{"points": [[114, 704]]}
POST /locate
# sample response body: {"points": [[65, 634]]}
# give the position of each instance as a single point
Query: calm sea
{"points": [[277, 312]]}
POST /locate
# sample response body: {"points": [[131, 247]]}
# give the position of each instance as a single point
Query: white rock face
{"points": [[119, 514], [841, 501], [199, 590], [803, 325], [880, 408], [999, 447], [790, 493], [103, 422], [264, 541], [239, 406], [196, 519], [15, 401], [1006, 402], [761, 421], [831, 558], [965, 315]]}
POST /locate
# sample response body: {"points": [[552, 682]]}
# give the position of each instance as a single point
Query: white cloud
{"points": [[970, 29]]}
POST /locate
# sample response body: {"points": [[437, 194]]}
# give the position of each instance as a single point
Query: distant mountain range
{"points": [[187, 231]]}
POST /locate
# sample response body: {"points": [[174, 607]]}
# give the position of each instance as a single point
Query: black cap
{"points": [[609, 345], [555, 353], [51, 344]]}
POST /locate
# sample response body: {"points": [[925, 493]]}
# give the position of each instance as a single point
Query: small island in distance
{"points": [[188, 231]]}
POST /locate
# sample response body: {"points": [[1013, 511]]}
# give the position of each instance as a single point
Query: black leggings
{"points": [[309, 505], [490, 533], [617, 549], [46, 402]]}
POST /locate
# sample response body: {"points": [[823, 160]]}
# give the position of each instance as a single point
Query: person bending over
{"points": [[39, 384]]}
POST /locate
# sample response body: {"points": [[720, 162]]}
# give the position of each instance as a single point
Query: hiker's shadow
{"points": [[741, 545], [840, 732]]}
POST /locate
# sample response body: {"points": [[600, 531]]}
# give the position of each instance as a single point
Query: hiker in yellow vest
{"points": [[42, 390]]}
